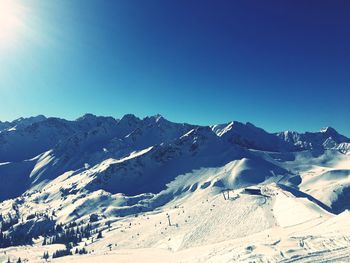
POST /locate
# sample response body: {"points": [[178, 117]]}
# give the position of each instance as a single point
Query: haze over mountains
{"points": [[66, 171]]}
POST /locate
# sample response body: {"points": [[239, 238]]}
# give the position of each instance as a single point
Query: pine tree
{"points": [[109, 225], [46, 255], [82, 251]]}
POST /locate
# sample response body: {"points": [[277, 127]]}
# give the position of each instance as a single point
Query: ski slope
{"points": [[163, 191], [273, 227]]}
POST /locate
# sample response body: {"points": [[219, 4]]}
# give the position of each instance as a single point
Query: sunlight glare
{"points": [[10, 22]]}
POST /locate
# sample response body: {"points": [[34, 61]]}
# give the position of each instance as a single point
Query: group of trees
{"points": [[6, 224], [12, 227], [14, 239], [19, 260], [65, 252], [80, 251], [62, 253], [72, 235]]}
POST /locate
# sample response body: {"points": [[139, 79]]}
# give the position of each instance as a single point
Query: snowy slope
{"points": [[275, 227], [234, 192], [249, 136]]}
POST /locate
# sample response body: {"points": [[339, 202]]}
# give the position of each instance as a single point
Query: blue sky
{"points": [[278, 64]]}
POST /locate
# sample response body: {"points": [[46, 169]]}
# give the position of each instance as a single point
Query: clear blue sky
{"points": [[278, 64]]}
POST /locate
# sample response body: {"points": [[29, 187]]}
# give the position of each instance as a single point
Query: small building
{"points": [[252, 191]]}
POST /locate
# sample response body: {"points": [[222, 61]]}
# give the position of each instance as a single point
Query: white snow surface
{"points": [[232, 192]]}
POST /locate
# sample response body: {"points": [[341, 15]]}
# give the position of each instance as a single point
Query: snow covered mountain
{"points": [[21, 122], [98, 174], [326, 138], [249, 136]]}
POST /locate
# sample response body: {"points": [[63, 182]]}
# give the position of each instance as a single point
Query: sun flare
{"points": [[10, 21]]}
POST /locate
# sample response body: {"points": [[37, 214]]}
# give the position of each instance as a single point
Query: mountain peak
{"points": [[336, 136], [87, 116], [24, 122], [129, 120], [155, 118], [129, 116], [158, 117], [329, 130], [31, 119]]}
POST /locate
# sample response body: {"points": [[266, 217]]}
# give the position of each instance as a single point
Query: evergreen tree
{"points": [[109, 225]]}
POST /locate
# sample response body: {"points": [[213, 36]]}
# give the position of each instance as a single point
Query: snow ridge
{"points": [[100, 171]]}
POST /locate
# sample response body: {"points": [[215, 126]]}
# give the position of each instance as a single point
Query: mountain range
{"points": [[118, 168]]}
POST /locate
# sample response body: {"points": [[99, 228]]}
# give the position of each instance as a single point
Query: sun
{"points": [[10, 21]]}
